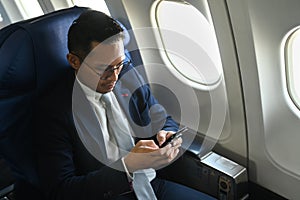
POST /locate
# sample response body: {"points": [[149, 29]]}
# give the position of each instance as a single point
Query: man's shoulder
{"points": [[59, 95]]}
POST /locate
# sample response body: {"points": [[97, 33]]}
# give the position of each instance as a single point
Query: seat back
{"points": [[33, 56]]}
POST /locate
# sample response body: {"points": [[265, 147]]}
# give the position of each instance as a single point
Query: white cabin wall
{"points": [[259, 28]]}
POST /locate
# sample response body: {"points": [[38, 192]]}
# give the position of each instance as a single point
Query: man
{"points": [[101, 129]]}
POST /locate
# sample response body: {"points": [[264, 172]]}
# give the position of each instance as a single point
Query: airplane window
{"points": [[4, 20], [189, 42], [293, 66], [59, 4], [1, 21], [18, 10], [94, 4], [29, 8]]}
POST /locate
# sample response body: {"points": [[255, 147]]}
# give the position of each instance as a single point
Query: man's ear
{"points": [[74, 61]]}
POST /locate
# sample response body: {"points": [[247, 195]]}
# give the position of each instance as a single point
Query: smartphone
{"points": [[173, 137]]}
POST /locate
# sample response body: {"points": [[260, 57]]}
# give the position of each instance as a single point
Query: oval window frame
{"points": [[171, 64], [289, 55]]}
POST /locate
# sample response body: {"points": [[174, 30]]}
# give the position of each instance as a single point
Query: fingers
{"points": [[163, 135], [169, 152], [177, 142], [143, 149], [173, 154], [145, 146], [166, 156], [146, 154]]}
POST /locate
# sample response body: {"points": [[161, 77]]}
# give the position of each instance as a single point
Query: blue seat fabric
{"points": [[33, 56]]}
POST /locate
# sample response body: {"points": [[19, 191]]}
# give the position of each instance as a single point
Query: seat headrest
{"points": [[126, 34], [34, 54]]}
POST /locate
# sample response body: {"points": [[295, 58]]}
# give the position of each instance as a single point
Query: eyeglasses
{"points": [[110, 70]]}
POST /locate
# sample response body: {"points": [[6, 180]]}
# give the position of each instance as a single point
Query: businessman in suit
{"points": [[100, 128]]}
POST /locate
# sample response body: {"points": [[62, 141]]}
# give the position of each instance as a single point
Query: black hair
{"points": [[91, 26]]}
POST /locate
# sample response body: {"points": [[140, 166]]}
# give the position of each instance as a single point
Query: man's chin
{"points": [[106, 90]]}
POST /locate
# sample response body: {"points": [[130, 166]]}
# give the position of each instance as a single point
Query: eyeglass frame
{"points": [[109, 69]]}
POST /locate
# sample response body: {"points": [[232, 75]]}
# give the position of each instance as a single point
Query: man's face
{"points": [[100, 69]]}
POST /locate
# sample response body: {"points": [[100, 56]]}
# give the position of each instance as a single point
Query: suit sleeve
{"points": [[57, 156], [144, 107], [148, 105], [170, 124]]}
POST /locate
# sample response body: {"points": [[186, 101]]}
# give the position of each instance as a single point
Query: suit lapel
{"points": [[129, 106], [87, 124]]}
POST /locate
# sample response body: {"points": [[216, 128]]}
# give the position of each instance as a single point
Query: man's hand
{"points": [[146, 154], [144, 146], [162, 136]]}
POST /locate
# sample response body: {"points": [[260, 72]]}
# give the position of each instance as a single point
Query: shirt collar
{"points": [[91, 95]]}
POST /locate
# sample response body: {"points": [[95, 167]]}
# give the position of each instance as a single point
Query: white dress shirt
{"points": [[112, 150]]}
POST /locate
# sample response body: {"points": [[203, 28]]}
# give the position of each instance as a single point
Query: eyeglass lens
{"points": [[108, 72]]}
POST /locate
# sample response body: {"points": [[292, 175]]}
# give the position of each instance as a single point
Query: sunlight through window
{"points": [[29, 8], [94, 4], [189, 41]]}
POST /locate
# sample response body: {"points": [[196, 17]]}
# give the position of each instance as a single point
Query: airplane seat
{"points": [[33, 56]]}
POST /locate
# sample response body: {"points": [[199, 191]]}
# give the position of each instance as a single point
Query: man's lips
{"points": [[110, 85]]}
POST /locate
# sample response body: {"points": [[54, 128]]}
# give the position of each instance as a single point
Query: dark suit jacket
{"points": [[67, 170]]}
